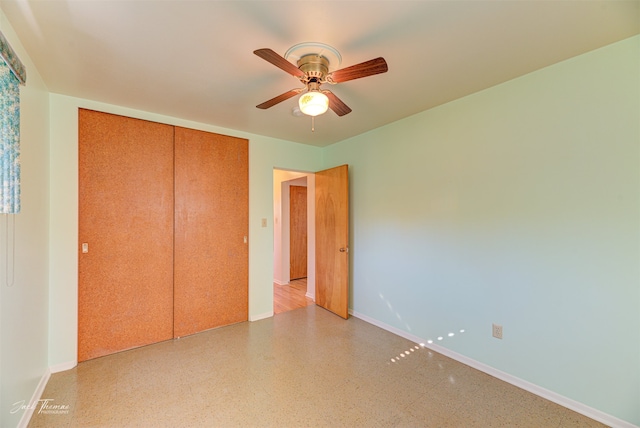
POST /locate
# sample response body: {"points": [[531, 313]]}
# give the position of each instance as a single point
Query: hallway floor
{"points": [[302, 368], [290, 296]]}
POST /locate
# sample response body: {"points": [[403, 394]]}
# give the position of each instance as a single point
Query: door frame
{"points": [[282, 179]]}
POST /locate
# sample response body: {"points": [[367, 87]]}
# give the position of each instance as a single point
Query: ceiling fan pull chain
{"points": [[313, 124]]}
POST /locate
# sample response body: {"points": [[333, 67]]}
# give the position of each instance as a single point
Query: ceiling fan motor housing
{"points": [[314, 66]]}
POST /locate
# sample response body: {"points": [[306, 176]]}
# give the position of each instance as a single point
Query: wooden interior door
{"points": [[211, 283], [332, 240], [297, 232], [125, 253]]}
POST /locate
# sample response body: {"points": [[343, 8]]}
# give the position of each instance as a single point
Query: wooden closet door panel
{"points": [[211, 222], [125, 280]]}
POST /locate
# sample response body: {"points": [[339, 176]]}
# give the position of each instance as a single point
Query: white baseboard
{"points": [[576, 406], [37, 394], [63, 367], [312, 296], [277, 281], [253, 318]]}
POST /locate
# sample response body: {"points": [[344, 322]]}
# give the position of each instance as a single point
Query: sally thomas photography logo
{"points": [[43, 406]]}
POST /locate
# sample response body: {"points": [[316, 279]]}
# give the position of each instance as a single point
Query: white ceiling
{"points": [[194, 59]]}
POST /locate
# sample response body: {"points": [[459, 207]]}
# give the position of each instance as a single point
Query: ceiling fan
{"points": [[313, 69]]}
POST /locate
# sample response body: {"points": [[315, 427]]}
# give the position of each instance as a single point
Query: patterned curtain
{"points": [[9, 141], [12, 73]]}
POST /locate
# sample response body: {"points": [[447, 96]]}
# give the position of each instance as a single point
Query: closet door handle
{"points": [[344, 249]]}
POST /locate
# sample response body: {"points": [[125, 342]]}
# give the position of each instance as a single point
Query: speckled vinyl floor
{"points": [[304, 368]]}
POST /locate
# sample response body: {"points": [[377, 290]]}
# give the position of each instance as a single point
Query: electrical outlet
{"points": [[497, 331]]}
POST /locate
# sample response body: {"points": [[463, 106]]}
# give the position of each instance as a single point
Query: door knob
{"points": [[344, 249]]}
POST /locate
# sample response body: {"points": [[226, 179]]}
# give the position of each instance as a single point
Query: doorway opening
{"points": [[294, 239]]}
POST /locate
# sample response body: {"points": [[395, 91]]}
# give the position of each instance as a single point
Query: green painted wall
{"points": [[518, 205], [24, 285]]}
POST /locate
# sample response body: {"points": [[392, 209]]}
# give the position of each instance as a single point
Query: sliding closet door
{"points": [[211, 228], [125, 254]]}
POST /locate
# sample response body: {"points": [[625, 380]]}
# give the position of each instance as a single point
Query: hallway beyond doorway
{"points": [[290, 296]]}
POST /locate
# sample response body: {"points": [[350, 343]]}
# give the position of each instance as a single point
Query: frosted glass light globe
{"points": [[313, 103]]}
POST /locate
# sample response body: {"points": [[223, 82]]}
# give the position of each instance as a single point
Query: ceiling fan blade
{"points": [[280, 98], [279, 61], [364, 69], [336, 104]]}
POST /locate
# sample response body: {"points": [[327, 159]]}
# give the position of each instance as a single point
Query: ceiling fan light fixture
{"points": [[313, 103], [314, 68]]}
